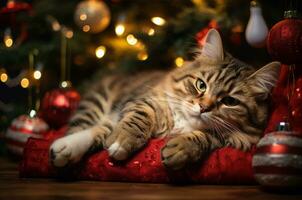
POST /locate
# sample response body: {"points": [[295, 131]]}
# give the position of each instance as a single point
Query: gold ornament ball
{"points": [[92, 16]]}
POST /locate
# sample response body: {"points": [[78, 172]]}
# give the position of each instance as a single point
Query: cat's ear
{"points": [[213, 48], [264, 79]]}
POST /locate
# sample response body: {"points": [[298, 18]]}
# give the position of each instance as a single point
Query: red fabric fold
{"points": [[223, 166]]}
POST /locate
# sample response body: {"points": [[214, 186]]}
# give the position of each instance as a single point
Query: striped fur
{"points": [[122, 113]]}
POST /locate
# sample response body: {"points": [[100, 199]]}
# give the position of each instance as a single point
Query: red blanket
{"points": [[223, 166]]}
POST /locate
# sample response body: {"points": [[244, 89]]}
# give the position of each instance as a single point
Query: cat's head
{"points": [[221, 93]]}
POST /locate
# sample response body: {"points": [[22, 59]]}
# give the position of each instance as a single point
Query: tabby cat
{"points": [[211, 102]]}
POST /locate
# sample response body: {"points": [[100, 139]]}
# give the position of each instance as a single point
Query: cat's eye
{"points": [[200, 85], [230, 101]]}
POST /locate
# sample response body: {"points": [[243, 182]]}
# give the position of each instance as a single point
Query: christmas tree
{"points": [[126, 36]]}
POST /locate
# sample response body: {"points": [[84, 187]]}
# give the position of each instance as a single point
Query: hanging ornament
{"points": [[30, 125], [59, 104], [11, 23], [256, 30], [13, 6], [21, 129], [92, 16], [278, 159], [200, 36], [285, 38]]}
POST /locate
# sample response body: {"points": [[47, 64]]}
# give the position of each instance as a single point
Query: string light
{"points": [[37, 74], [151, 32], [3, 77], [159, 21], [142, 56], [131, 39], [24, 82], [64, 84], [69, 34], [55, 25], [119, 29], [179, 61], [86, 28], [8, 40], [32, 113], [83, 17], [100, 51]]}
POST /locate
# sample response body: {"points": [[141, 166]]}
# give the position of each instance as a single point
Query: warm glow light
{"points": [[8, 42], [119, 29], [100, 51], [159, 21], [179, 61], [83, 17], [54, 23], [151, 32], [69, 34], [10, 3], [24, 82], [32, 113], [64, 84], [131, 39], [86, 28], [3, 77], [37, 75], [142, 56], [56, 26]]}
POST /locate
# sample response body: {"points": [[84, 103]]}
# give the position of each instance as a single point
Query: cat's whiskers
{"points": [[174, 96], [227, 125], [182, 103], [218, 130]]}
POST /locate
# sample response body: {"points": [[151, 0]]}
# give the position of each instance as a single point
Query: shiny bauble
{"points": [[92, 16], [284, 42], [21, 129], [58, 105], [256, 30], [277, 162]]}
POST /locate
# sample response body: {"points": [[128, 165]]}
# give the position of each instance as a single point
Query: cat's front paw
{"points": [[60, 153], [70, 149], [118, 146], [178, 152], [121, 144]]}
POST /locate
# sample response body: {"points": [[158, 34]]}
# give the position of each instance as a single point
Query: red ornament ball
{"points": [[284, 41], [21, 129], [278, 160], [58, 105], [14, 6]]}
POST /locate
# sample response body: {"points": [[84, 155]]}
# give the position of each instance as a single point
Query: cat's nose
{"points": [[204, 108]]}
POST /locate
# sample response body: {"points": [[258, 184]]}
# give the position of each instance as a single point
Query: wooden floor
{"points": [[12, 187]]}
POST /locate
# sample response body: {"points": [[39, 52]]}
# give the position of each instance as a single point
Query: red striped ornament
{"points": [[277, 161], [21, 129]]}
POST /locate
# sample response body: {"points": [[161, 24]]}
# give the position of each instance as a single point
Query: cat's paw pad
{"points": [[60, 153], [117, 151], [177, 153]]}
